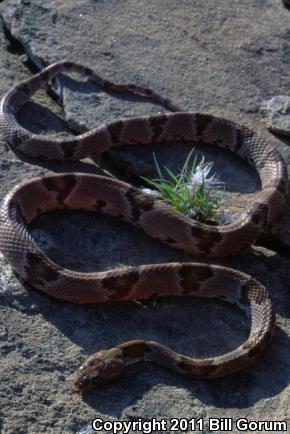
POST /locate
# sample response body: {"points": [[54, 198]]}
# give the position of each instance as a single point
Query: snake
{"points": [[111, 196]]}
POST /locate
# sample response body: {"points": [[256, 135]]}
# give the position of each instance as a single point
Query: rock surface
{"points": [[223, 60], [277, 114]]}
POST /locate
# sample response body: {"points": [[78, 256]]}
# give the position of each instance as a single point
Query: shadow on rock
{"points": [[265, 379], [194, 329]]}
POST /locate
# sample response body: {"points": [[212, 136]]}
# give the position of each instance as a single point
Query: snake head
{"points": [[100, 368]]}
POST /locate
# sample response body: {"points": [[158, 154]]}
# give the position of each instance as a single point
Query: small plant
{"points": [[193, 192]]}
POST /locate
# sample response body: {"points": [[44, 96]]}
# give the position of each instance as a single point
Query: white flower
{"points": [[191, 213], [200, 177], [152, 193]]}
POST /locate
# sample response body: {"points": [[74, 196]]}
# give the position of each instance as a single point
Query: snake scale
{"points": [[111, 196]]}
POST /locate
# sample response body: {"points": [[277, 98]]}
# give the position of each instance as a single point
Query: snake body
{"points": [[110, 196]]}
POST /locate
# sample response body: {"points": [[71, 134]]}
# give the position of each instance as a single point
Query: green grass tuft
{"points": [[193, 192]]}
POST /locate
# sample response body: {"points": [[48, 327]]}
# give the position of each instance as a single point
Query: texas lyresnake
{"points": [[119, 199]]}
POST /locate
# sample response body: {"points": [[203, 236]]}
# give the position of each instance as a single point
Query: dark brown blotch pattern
{"points": [[100, 204], [157, 125], [62, 187], [20, 217], [138, 202], [148, 91], [244, 298], [135, 349], [108, 85], [120, 286], [247, 135], [115, 130], [87, 71], [251, 294], [23, 88], [254, 351], [260, 216], [202, 122], [170, 240], [283, 186], [198, 371], [69, 149], [239, 140], [191, 277], [205, 240], [38, 271]]}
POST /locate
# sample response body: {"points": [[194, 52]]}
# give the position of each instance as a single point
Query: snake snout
{"points": [[100, 368]]}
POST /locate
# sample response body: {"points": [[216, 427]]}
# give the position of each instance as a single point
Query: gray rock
{"points": [[277, 114], [205, 75], [204, 59]]}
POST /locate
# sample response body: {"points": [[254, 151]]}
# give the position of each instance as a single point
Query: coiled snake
{"points": [[119, 199]]}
